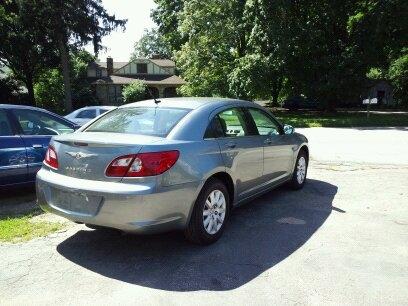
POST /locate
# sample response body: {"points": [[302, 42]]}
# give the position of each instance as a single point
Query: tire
{"points": [[199, 230], [298, 180]]}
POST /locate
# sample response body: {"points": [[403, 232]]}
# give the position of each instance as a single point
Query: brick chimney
{"points": [[109, 65]]}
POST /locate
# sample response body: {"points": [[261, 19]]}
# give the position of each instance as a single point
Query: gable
{"points": [[152, 68]]}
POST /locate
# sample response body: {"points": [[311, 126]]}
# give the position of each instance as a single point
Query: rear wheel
{"points": [[299, 173], [210, 214]]}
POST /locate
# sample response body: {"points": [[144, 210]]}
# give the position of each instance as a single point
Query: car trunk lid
{"points": [[86, 155]]}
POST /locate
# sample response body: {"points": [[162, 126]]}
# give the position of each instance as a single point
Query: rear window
{"points": [[153, 121]]}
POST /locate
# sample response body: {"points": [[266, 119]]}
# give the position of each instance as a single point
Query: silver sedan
{"points": [[180, 163]]}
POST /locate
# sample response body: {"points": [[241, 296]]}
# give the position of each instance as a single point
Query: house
{"points": [[380, 89], [108, 78]]}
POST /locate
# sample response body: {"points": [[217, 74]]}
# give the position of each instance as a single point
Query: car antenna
{"points": [[157, 101]]}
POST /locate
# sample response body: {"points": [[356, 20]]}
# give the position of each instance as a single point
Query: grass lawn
{"points": [[22, 228], [340, 119]]}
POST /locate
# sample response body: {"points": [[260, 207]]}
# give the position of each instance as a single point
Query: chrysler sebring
{"points": [[179, 163]]}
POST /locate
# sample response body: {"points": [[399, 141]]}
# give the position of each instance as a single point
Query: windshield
{"points": [[153, 121]]}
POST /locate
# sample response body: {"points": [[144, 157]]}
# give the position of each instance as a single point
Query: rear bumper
{"points": [[130, 207]]}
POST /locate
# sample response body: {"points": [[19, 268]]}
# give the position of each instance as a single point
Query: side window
{"points": [[264, 123], [214, 129], [233, 123], [38, 123], [5, 128], [141, 68], [87, 114]]}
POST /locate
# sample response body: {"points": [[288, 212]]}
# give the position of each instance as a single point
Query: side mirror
{"points": [[288, 129]]}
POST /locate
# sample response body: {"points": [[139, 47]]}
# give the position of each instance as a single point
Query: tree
{"points": [[23, 47], [398, 75], [167, 17], [256, 77], [379, 29], [151, 44], [134, 92], [213, 43], [49, 86], [73, 23], [33, 32]]}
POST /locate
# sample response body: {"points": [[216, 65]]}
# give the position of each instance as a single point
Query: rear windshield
{"points": [[153, 121]]}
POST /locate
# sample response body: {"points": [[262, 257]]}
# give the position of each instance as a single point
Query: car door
{"points": [[13, 156], [241, 152], [278, 147], [36, 129]]}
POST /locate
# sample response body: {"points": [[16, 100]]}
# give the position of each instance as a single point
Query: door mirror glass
{"points": [[288, 129]]}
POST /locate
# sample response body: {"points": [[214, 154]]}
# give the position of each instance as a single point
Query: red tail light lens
{"points": [[143, 164], [51, 158]]}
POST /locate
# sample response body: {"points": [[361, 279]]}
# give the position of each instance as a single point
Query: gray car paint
{"points": [[163, 202]]}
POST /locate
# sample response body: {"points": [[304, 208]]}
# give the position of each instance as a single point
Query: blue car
{"points": [[24, 136]]}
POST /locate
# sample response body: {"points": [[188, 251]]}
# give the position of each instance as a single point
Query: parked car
{"points": [[86, 114], [299, 102], [184, 167], [24, 136]]}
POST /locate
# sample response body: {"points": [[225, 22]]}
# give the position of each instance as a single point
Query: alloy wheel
{"points": [[301, 170], [214, 212]]}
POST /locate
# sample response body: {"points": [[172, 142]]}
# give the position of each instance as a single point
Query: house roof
{"points": [[165, 63], [153, 79], [116, 65]]}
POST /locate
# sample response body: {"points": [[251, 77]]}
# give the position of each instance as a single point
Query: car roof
{"points": [[188, 103], [26, 107], [96, 107], [14, 106]]}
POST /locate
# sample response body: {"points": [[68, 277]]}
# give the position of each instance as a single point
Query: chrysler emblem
{"points": [[79, 155]]}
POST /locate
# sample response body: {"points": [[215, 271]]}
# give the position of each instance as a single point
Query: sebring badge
{"points": [[79, 155]]}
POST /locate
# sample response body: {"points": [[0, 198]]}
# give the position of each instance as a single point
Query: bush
{"points": [[398, 74], [134, 92]]}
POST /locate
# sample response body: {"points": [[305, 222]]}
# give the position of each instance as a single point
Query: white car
{"points": [[85, 114]]}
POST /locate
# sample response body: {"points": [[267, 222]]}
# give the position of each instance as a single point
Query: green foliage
{"points": [[37, 35], [24, 228], [167, 16], [49, 90], [212, 45], [340, 119], [323, 50], [134, 92], [24, 48], [49, 86], [398, 74], [151, 44]]}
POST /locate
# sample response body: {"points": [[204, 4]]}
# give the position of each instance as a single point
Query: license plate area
{"points": [[75, 202]]}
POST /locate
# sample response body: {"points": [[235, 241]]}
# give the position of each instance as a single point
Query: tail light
{"points": [[142, 164], [51, 158]]}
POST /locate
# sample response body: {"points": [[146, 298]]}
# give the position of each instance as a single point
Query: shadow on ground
{"points": [[259, 235], [15, 201], [385, 128]]}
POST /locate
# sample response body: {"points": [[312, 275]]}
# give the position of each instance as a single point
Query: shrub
{"points": [[134, 92]]}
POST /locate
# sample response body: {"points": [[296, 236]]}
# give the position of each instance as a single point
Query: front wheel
{"points": [[299, 173], [210, 213]]}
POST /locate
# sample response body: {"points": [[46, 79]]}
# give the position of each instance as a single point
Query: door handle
{"points": [[231, 144], [268, 141], [38, 146]]}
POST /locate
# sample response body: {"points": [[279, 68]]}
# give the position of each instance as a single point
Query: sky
{"points": [[120, 44]]}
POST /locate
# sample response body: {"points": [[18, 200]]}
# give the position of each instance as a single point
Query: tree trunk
{"points": [[65, 74], [276, 89], [30, 90]]}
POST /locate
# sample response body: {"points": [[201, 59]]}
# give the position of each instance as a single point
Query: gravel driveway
{"points": [[340, 240]]}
